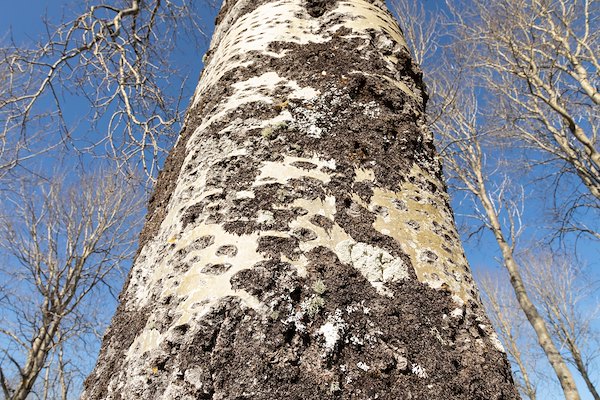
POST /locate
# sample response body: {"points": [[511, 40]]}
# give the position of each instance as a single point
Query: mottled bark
{"points": [[300, 243]]}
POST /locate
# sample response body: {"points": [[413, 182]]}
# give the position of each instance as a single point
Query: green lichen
{"points": [[319, 287], [334, 387], [314, 305], [271, 131]]}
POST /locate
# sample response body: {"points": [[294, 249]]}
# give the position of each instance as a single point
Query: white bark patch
{"points": [[245, 194], [457, 312], [283, 171], [362, 175], [324, 238], [154, 262], [200, 287], [373, 18], [265, 217], [496, 342], [203, 288], [149, 339], [288, 22], [375, 264], [193, 377]]}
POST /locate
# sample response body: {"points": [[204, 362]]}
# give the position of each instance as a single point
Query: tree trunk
{"points": [[300, 243], [537, 322], [582, 367]]}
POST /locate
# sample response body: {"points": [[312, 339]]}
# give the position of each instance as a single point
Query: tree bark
{"points": [[300, 242]]}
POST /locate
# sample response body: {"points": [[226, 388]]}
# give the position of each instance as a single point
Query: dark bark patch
{"points": [[386, 348], [227, 250], [304, 165], [216, 269], [124, 328], [322, 222], [192, 214], [275, 246], [317, 8]]}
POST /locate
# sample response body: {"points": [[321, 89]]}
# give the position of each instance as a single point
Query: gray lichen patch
{"points": [[332, 331], [377, 265]]}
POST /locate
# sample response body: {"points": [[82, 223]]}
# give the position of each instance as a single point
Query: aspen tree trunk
{"points": [[300, 244]]}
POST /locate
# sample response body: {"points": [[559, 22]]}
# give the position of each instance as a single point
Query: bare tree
{"points": [[562, 289], [539, 59], [62, 240], [513, 329], [118, 58]]}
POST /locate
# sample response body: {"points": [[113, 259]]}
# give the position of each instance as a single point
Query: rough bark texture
{"points": [[300, 244]]}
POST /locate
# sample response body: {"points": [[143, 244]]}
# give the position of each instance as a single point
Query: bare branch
{"points": [[116, 58], [67, 238], [539, 59]]}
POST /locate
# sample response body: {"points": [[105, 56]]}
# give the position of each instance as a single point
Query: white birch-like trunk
{"points": [[300, 243]]}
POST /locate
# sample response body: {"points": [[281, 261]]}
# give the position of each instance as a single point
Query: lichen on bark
{"points": [[305, 159]]}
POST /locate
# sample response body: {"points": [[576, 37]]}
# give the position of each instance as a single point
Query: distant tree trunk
{"points": [[300, 244]]}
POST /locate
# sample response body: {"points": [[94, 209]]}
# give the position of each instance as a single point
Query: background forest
{"points": [[92, 97]]}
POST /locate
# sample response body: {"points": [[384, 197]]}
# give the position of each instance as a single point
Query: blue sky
{"points": [[23, 16]]}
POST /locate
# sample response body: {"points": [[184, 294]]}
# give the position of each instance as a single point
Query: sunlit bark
{"points": [[300, 242]]}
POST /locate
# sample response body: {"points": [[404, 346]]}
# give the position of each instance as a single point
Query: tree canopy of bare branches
{"points": [[539, 60], [60, 242], [118, 58]]}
